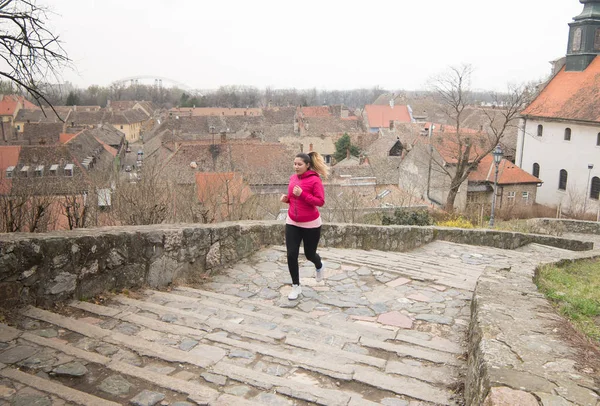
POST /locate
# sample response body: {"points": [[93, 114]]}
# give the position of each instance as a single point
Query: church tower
{"points": [[584, 37]]}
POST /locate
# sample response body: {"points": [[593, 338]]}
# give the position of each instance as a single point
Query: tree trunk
{"points": [[450, 200]]}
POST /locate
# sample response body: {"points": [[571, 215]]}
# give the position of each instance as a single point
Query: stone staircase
{"points": [[383, 328]]}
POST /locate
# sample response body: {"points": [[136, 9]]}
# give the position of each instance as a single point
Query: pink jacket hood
{"points": [[303, 208]]}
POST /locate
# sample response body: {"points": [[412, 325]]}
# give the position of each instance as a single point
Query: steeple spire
{"points": [[584, 36]]}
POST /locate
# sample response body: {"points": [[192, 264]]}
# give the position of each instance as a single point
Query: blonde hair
{"points": [[315, 162]]}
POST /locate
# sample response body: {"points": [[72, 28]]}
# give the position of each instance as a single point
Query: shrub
{"points": [[405, 217], [459, 222]]}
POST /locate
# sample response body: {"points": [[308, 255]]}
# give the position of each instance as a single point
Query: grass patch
{"points": [[575, 290]]}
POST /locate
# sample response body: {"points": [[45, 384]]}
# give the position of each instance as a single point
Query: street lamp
{"points": [[587, 190], [497, 153]]}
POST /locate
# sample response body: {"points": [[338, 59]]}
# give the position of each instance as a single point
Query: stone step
{"points": [[402, 385], [338, 362], [325, 360], [451, 281], [349, 331], [288, 387], [54, 388], [402, 350], [283, 314], [431, 341], [194, 391], [141, 346]]}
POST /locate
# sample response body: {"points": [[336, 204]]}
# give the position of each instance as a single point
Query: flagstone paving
{"points": [[382, 328]]}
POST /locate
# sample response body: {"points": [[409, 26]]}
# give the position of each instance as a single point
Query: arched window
{"points": [[567, 134], [536, 170], [595, 188], [540, 130], [562, 180]]}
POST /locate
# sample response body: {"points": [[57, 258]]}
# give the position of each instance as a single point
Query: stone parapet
{"points": [[569, 226], [43, 269], [516, 353]]}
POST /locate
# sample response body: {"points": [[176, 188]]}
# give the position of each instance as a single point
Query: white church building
{"points": [[559, 135]]}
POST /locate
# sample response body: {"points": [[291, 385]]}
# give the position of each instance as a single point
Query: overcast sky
{"points": [[331, 44]]}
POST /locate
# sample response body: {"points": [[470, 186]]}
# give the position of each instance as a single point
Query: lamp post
{"points": [[497, 153], [587, 190]]}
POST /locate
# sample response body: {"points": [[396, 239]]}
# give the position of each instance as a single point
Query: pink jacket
{"points": [[304, 207]]}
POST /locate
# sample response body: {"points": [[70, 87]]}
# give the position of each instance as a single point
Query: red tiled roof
{"points": [[65, 137], [570, 95], [108, 148], [508, 173], [221, 185], [9, 103], [380, 116], [9, 156], [315, 111]]}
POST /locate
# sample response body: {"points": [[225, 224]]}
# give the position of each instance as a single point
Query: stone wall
{"points": [[569, 226], [516, 353], [43, 269]]}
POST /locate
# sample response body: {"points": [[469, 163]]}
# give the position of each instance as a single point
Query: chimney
{"points": [[391, 124], [392, 102], [310, 147], [348, 153]]}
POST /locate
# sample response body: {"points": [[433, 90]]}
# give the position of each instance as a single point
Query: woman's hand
{"points": [[284, 199], [297, 190]]}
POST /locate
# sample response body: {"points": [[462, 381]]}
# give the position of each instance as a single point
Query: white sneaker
{"points": [[296, 291], [320, 273]]}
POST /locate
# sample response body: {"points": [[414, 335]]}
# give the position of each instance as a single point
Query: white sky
{"points": [[330, 44]]}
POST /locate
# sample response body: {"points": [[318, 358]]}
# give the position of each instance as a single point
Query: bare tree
{"points": [[30, 51], [76, 209], [468, 148]]}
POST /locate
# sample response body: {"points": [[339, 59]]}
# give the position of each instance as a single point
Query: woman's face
{"points": [[300, 166]]}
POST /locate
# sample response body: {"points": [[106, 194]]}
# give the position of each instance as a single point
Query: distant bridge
{"points": [[157, 81]]}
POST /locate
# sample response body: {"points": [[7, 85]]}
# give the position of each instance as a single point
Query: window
{"points": [[18, 128], [39, 171], [10, 172], [567, 134], [595, 188], [597, 40], [536, 170], [562, 180], [121, 127], [510, 197], [25, 171], [540, 130], [53, 170], [525, 196], [69, 170]]}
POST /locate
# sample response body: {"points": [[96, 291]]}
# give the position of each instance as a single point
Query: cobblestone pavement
{"points": [[382, 328]]}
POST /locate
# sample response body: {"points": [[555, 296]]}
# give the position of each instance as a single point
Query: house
{"points": [[326, 120], [323, 145], [515, 186], [266, 166], [52, 177], [10, 106], [9, 158], [214, 111], [384, 116], [129, 122], [29, 116], [559, 136], [222, 195], [429, 163]]}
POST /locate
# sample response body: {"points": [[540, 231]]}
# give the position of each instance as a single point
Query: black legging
{"points": [[293, 237]]}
